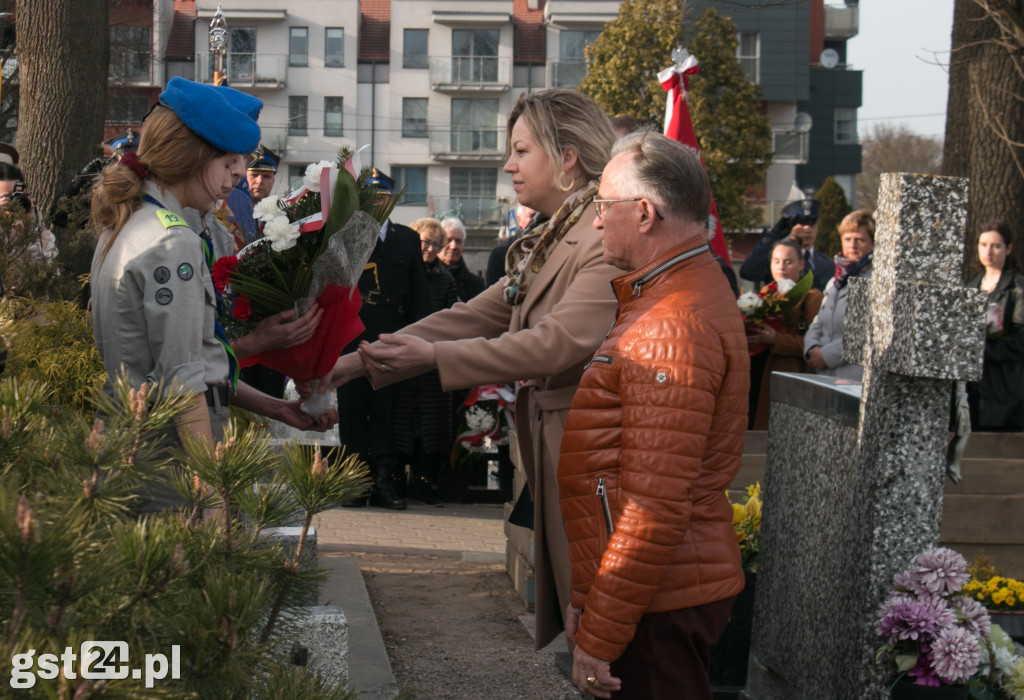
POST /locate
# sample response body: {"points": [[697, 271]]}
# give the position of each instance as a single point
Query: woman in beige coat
{"points": [[541, 324]]}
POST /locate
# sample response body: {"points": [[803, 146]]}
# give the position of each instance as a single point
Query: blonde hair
{"points": [[559, 119], [171, 152], [855, 220], [428, 225]]}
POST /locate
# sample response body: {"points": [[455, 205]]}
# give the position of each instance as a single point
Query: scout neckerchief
{"points": [[527, 255], [169, 219]]}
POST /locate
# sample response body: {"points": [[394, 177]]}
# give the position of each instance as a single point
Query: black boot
{"points": [[384, 495]]}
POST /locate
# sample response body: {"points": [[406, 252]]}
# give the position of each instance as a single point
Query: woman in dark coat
{"points": [[423, 411], [997, 401]]}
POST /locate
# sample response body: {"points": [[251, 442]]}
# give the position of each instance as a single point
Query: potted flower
{"points": [[730, 656], [933, 633], [1004, 599]]}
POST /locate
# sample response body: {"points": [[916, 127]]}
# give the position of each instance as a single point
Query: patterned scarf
{"points": [[527, 256], [845, 269]]}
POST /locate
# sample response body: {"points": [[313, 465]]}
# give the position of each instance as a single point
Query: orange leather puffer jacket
{"points": [[654, 437]]}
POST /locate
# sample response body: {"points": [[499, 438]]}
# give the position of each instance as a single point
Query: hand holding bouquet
{"points": [[776, 306], [314, 246]]}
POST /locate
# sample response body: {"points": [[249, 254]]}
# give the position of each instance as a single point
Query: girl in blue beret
{"points": [[153, 301]]}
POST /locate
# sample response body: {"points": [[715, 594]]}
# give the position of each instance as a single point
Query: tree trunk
{"points": [[63, 58], [984, 122]]}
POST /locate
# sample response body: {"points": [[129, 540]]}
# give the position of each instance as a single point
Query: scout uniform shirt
{"points": [[153, 302]]}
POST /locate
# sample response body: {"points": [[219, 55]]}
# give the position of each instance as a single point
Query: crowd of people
{"points": [[605, 311]]}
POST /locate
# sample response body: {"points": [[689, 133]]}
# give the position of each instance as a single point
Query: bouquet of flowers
{"points": [[314, 246], [486, 419], [934, 633], [746, 520], [997, 593], [776, 305]]}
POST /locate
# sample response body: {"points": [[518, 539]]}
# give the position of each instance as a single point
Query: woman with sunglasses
{"points": [[541, 324]]}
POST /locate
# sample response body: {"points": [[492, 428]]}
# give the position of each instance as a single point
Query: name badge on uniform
{"points": [[169, 219]]}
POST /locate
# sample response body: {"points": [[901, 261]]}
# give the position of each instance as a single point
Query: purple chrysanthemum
{"points": [[939, 571], [974, 615], [902, 617], [956, 654], [945, 616], [923, 671]]}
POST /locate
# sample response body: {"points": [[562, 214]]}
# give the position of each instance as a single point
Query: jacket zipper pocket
{"points": [[605, 359], [602, 493]]}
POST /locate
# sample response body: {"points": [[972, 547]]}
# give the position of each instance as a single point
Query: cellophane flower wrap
{"points": [[776, 305], [487, 418], [746, 521], [315, 244]]}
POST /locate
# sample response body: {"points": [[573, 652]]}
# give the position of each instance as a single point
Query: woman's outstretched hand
{"points": [[399, 353]]}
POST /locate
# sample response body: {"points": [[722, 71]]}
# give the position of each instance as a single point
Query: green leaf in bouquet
{"points": [[799, 291], [344, 202]]}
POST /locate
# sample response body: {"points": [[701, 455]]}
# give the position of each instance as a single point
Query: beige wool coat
{"points": [[546, 341]]}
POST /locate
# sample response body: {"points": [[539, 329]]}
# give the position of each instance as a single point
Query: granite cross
{"points": [[854, 474]]}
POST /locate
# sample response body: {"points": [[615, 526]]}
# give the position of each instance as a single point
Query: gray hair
{"points": [[668, 173], [452, 222]]}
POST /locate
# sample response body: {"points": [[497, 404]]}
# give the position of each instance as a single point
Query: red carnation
{"points": [[222, 272], [241, 308]]}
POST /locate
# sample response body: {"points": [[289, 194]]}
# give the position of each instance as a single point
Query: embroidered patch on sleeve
{"points": [[185, 271], [169, 219], [164, 296], [161, 274]]}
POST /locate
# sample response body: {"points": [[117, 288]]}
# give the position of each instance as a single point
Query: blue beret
{"points": [[243, 102], [803, 207], [207, 111]]}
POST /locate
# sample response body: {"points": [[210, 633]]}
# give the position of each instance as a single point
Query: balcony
{"points": [[252, 70], [841, 23], [475, 212], [275, 138], [470, 74], [468, 143], [566, 73], [790, 147]]}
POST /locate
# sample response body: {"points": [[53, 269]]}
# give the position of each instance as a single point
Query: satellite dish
{"points": [[803, 122], [829, 58]]}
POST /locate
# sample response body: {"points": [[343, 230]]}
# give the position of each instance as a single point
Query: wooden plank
{"points": [[995, 446], [1008, 559], [989, 476], [983, 520]]}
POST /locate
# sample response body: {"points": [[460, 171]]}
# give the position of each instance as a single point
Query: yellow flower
{"points": [[737, 513]]}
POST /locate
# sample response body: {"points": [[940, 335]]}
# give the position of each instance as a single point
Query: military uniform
{"points": [[395, 293], [154, 308]]}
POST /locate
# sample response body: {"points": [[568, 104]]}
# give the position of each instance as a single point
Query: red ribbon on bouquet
{"points": [[313, 359]]}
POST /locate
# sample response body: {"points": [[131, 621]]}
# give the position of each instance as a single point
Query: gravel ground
{"points": [[452, 630]]}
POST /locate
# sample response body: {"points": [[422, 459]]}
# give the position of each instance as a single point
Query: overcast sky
{"points": [[903, 47]]}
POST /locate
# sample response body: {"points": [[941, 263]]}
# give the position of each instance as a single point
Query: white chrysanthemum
{"points": [[750, 302], [312, 177], [267, 209], [479, 419], [784, 285], [281, 232]]}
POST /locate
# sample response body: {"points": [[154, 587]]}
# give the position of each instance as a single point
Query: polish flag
{"points": [[679, 127]]}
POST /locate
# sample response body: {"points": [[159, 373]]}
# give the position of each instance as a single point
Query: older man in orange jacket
{"points": [[653, 438]]}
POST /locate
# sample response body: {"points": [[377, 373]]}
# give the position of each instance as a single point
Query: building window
{"points": [[298, 46], [373, 72], [748, 53], [472, 195], [571, 66], [127, 109], [130, 55], [241, 55], [846, 125], [333, 120], [334, 47], [414, 117], [414, 48], [474, 125], [414, 181], [295, 175], [474, 55], [298, 109]]}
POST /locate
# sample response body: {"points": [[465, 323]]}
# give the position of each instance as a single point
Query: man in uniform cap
{"points": [[260, 173], [799, 221], [395, 293]]}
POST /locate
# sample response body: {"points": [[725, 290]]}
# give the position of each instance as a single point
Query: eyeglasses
{"points": [[430, 245], [601, 205]]}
